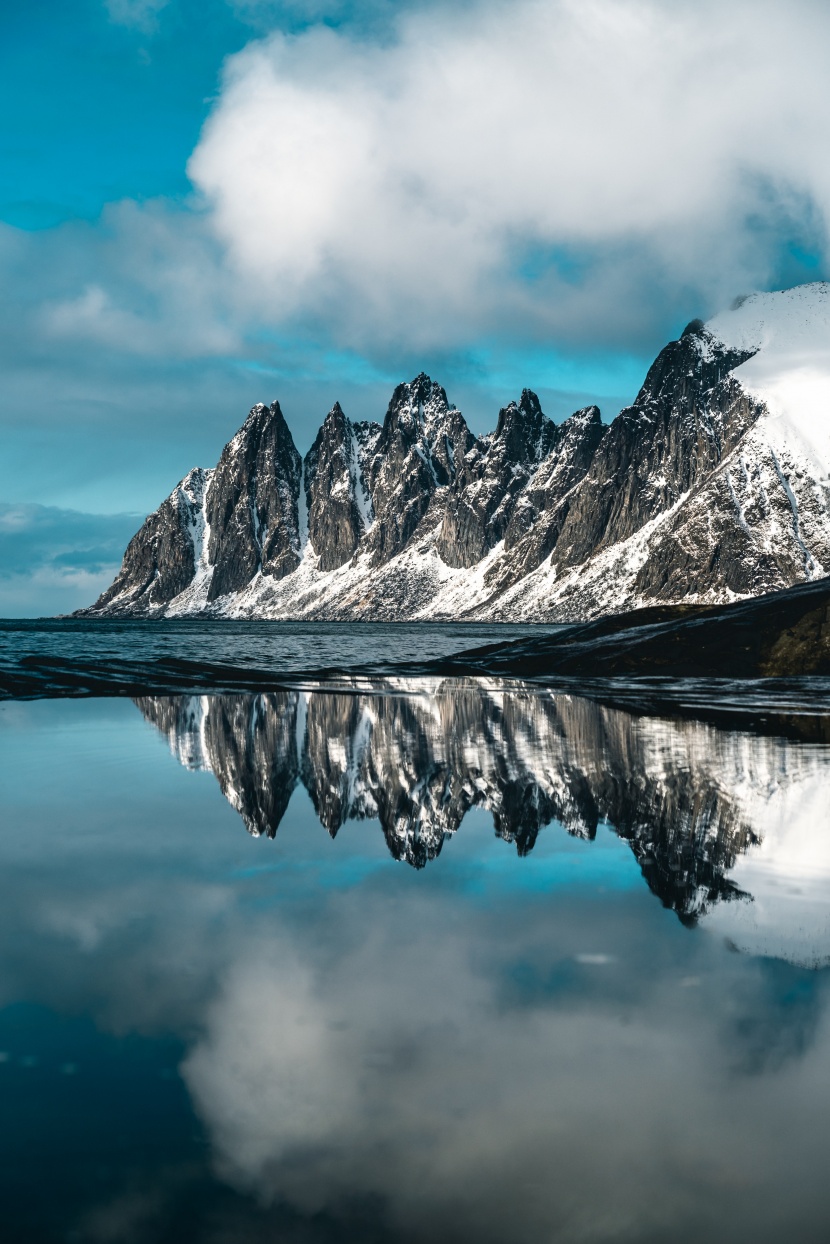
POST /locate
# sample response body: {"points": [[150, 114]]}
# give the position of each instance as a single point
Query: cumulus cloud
{"points": [[123, 359], [533, 168], [130, 354]]}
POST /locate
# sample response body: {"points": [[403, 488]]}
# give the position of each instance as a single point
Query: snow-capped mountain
{"points": [[714, 485], [714, 818]]}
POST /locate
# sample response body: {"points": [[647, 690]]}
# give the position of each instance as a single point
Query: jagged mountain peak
{"points": [[165, 555], [684, 371], [335, 424], [714, 483], [259, 416], [264, 426], [582, 418], [337, 495], [194, 484], [252, 505], [523, 432], [417, 404]]}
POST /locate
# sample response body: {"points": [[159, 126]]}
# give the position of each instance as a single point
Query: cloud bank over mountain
{"points": [[553, 170]]}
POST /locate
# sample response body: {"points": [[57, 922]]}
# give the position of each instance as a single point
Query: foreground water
{"points": [[45, 650], [434, 961]]}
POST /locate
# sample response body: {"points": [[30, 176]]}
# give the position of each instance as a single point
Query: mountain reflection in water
{"points": [[725, 824], [213, 1038]]}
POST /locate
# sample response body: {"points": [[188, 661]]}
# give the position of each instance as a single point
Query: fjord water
{"points": [[514, 966], [38, 644]]}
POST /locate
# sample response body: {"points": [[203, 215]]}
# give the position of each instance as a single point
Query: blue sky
{"points": [[205, 205]]}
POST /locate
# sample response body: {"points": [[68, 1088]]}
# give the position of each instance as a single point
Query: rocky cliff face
{"points": [[495, 474], [707, 488], [252, 505], [689, 799], [543, 506], [688, 414], [165, 555], [340, 507]]}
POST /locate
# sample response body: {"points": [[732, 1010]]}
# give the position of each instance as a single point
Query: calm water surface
{"points": [[275, 646], [440, 961]]}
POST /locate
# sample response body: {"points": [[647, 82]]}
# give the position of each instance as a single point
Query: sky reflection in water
{"points": [[539, 1033]]}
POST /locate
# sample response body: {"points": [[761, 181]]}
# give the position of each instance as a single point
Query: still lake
{"points": [[411, 961]]}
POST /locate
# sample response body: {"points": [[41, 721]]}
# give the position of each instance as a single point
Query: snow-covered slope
{"points": [[789, 371], [713, 486]]}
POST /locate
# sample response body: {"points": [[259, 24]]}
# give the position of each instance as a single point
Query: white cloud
{"points": [[94, 318], [398, 192], [502, 194], [262, 1107]]}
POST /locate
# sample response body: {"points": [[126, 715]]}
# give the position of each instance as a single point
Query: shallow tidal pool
{"points": [[446, 961]]}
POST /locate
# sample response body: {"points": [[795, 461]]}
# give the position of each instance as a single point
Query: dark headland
{"points": [[780, 635]]}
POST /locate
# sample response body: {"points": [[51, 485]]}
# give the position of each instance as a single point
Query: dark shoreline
{"points": [[760, 664]]}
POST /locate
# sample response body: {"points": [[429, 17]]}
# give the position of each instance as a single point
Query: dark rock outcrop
{"points": [[688, 415], [422, 447], [484, 494], [543, 506], [780, 635], [337, 496], [253, 504], [161, 559]]}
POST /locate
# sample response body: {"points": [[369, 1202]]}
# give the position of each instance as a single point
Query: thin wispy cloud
{"points": [[141, 14], [52, 559]]}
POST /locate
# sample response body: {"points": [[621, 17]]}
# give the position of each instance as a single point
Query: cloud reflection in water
{"points": [[515, 1041]]}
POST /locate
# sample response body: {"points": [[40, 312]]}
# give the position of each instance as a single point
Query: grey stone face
{"points": [[482, 499], [421, 449], [688, 415], [337, 496], [365, 484], [253, 504], [160, 560], [542, 507]]}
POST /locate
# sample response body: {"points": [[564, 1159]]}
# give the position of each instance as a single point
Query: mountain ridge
{"points": [[712, 486]]}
